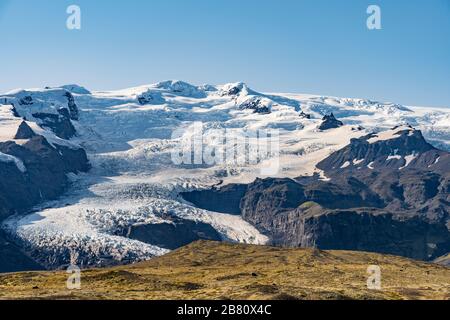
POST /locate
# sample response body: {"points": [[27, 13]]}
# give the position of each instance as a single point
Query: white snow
{"points": [[436, 162], [8, 123], [8, 158], [345, 165], [389, 134], [408, 160], [357, 162], [392, 157], [134, 181]]}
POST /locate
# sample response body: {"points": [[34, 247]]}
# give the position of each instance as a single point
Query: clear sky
{"points": [[309, 46]]}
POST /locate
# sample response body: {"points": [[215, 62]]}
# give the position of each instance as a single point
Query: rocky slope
{"points": [[36, 161], [13, 259], [211, 270], [128, 207], [386, 193]]}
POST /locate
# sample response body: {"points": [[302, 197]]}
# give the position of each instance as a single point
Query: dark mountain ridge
{"points": [[386, 193]]}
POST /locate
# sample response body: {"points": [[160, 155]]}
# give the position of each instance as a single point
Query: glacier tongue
{"points": [[133, 180]]}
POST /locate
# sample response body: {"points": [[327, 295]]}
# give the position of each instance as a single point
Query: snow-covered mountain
{"points": [[133, 182]]}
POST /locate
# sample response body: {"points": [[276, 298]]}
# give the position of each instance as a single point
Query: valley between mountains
{"points": [[87, 178]]}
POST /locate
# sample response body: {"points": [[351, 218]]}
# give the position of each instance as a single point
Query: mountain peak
{"points": [[330, 122], [74, 88], [180, 88], [398, 148], [24, 131], [236, 89]]}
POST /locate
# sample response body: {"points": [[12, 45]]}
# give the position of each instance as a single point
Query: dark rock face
{"points": [[359, 229], [173, 235], [143, 100], [233, 90], [373, 201], [26, 101], [59, 124], [272, 195], [384, 154], [24, 132], [330, 122], [224, 200], [256, 105], [55, 115], [14, 111], [13, 260], [45, 176], [305, 115], [150, 97], [73, 109]]}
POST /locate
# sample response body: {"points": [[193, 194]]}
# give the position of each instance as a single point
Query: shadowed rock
{"points": [[173, 235], [24, 132], [386, 193], [330, 122]]}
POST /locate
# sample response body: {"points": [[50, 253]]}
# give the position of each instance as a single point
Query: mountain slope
{"points": [[116, 212], [386, 192], [210, 270]]}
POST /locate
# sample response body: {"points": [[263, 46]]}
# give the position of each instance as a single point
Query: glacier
{"points": [[128, 137]]}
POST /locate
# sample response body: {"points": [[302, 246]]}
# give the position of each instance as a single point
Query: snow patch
{"points": [[133, 180], [392, 157], [8, 158], [357, 162], [390, 134], [408, 160], [345, 165]]}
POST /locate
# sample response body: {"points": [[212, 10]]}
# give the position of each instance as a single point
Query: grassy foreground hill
{"points": [[212, 270]]}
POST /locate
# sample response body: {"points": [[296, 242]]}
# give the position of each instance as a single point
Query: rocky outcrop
{"points": [[233, 89], [13, 259], [181, 88], [387, 150], [256, 104], [330, 122], [24, 132], [54, 109], [73, 109], [150, 97], [44, 177], [369, 229], [37, 174], [225, 200], [386, 193], [60, 123], [178, 233], [304, 115]]}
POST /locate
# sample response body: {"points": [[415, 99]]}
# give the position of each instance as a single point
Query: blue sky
{"points": [[310, 46]]}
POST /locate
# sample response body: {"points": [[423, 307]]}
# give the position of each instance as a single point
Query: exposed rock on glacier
{"points": [[45, 177], [330, 122], [24, 132], [375, 199], [133, 188]]}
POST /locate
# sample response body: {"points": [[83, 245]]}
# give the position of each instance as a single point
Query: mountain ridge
{"points": [[133, 188]]}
